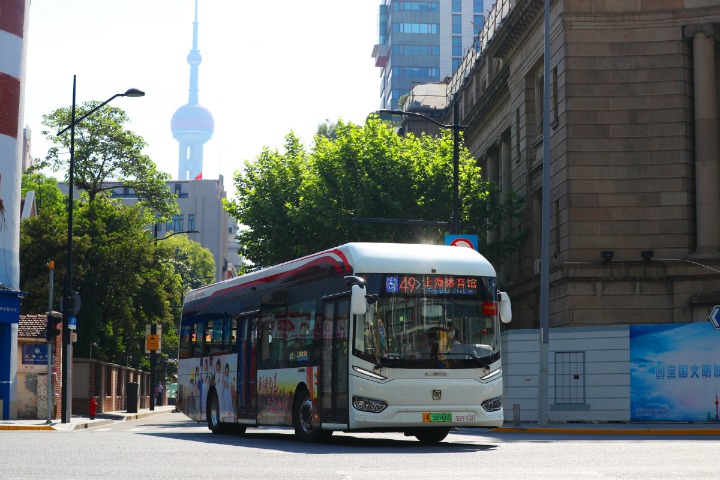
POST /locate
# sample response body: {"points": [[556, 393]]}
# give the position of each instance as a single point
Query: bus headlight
{"points": [[368, 404], [492, 375], [492, 404]]}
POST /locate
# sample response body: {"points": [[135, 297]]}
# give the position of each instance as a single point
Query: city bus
{"points": [[366, 337]]}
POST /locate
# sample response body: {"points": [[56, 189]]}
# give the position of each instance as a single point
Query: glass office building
{"points": [[423, 42]]}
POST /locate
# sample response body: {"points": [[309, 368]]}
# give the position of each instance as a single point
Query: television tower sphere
{"points": [[192, 124]]}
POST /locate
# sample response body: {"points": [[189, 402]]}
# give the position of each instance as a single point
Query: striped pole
{"points": [[13, 44], [13, 47]]}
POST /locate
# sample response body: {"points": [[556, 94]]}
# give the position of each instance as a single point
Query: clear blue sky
{"points": [[267, 68]]}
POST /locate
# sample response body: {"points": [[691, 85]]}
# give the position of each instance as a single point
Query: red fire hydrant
{"points": [[93, 408]]}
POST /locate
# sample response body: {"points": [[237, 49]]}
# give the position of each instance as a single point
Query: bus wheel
{"points": [[213, 414], [303, 415], [431, 435]]}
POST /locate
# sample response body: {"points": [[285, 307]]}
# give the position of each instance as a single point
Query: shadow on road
{"points": [[285, 440]]}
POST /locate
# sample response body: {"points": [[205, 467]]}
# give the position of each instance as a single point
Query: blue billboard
{"points": [[674, 372]]}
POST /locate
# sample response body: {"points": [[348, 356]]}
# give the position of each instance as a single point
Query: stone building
{"points": [[634, 175]]}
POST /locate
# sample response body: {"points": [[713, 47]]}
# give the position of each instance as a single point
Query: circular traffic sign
{"points": [[462, 242]]}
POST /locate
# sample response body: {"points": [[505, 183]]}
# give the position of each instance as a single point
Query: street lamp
{"points": [[455, 220], [155, 233], [67, 288]]}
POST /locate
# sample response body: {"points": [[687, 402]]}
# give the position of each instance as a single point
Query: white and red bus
{"points": [[362, 337]]}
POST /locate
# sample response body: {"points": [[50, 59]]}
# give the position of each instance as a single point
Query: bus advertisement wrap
{"points": [[674, 372]]}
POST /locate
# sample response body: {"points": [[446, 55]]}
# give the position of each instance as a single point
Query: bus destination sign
{"points": [[431, 284]]}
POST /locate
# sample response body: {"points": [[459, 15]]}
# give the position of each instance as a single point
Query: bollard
{"points": [[93, 408], [516, 414]]}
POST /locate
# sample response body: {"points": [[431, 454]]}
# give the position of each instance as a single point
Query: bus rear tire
{"points": [[430, 436], [303, 415], [213, 415]]}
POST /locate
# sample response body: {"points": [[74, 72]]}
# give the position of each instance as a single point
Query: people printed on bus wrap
{"points": [[227, 396], [197, 389], [200, 383], [218, 373]]}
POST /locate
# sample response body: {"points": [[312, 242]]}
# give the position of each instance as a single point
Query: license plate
{"points": [[437, 417]]}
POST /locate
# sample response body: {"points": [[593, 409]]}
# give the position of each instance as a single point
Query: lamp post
{"points": [[455, 220], [67, 288]]}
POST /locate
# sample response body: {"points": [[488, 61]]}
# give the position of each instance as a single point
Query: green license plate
{"points": [[437, 417]]}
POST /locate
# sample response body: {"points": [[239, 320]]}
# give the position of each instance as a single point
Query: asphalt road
{"points": [[169, 446]]}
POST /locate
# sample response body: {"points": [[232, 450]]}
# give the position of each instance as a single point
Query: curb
{"points": [[612, 431], [27, 427]]}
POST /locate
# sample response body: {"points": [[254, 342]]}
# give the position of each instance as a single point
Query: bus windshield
{"points": [[427, 327]]}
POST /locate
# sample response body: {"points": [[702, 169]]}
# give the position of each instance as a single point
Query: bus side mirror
{"points": [[505, 309], [358, 304]]}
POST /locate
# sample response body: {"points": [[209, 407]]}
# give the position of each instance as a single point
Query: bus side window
{"points": [[198, 334], [185, 337], [230, 339]]}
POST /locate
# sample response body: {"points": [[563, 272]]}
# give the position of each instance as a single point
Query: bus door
{"points": [[334, 371], [247, 371]]}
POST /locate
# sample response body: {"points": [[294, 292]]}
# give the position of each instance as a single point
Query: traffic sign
{"points": [[72, 323], [469, 240], [715, 317], [152, 342]]}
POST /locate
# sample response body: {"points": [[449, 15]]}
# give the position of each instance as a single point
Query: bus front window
{"points": [[413, 332]]}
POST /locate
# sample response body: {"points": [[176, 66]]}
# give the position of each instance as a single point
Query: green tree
{"points": [[106, 155], [123, 280], [193, 263], [297, 202], [47, 193]]}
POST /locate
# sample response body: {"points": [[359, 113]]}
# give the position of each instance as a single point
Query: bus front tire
{"points": [[431, 435], [303, 415], [213, 415]]}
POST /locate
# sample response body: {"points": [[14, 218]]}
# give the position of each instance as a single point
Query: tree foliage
{"points": [[47, 194], [105, 154], [298, 202], [125, 279]]}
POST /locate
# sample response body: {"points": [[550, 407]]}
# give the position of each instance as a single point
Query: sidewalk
{"points": [[77, 422]]}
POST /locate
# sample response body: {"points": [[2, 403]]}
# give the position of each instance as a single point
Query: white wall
{"points": [[588, 374]]}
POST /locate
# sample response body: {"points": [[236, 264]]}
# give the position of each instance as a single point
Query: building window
{"points": [[457, 24], [416, 6], [191, 221], [457, 5], [178, 223], [178, 189], [478, 6], [457, 46], [478, 23], [416, 72], [456, 62], [416, 28], [423, 50]]}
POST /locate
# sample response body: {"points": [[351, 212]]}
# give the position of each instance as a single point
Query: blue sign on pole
{"points": [[72, 323], [35, 354]]}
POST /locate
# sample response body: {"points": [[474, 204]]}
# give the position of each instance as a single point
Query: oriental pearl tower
{"points": [[192, 124]]}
